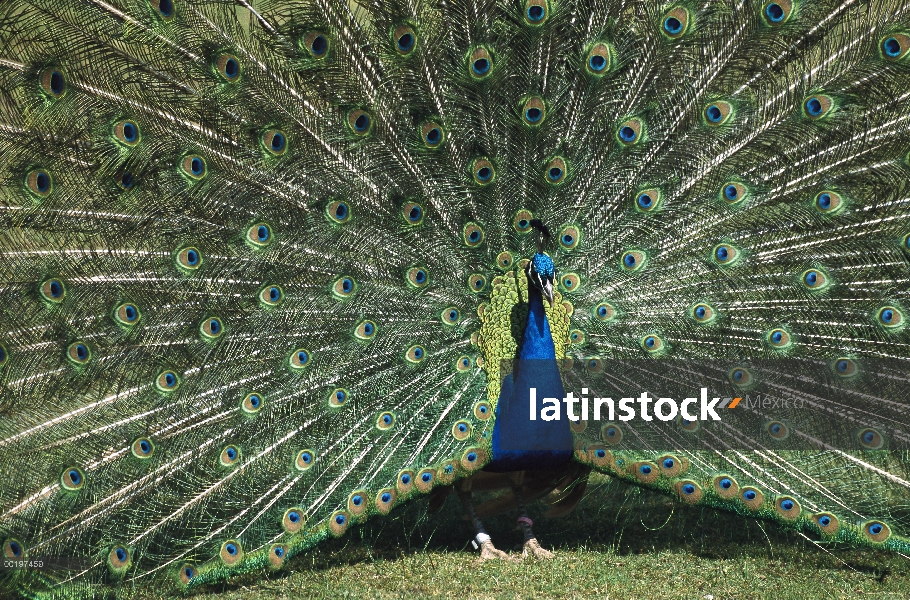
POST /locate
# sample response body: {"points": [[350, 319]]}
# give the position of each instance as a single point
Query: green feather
{"points": [[266, 258]]}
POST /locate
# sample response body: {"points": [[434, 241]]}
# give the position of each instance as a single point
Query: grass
{"points": [[621, 542]]}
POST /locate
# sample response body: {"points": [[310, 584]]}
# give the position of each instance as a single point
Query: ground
{"points": [[621, 543]]}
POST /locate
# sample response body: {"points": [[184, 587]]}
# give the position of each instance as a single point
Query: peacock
{"points": [[271, 268]]}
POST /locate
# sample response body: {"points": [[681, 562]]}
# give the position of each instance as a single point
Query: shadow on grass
{"points": [[614, 517]]}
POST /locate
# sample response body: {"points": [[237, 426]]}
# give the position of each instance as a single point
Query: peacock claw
{"points": [[533, 548], [489, 552]]}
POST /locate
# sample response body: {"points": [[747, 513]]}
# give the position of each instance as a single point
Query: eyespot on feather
{"points": [[726, 487], [167, 382], [72, 479], [894, 47], [385, 421], [827, 523], [777, 13], [344, 287], [876, 531], [278, 553], [211, 328], [733, 192], [338, 211], [39, 183], [482, 171], [360, 122], [432, 134], [477, 283], [599, 59], [480, 63], [522, 221], [127, 133], [365, 330], [817, 106], [630, 132], [385, 500], [193, 167], [688, 491], [338, 397], [316, 43], [778, 338], [533, 111], [271, 296], [299, 359], [231, 553], [870, 439], [535, 12], [652, 344], [787, 508], [275, 142], [828, 202], [740, 377], [483, 411], [119, 560], [251, 403], [633, 260], [611, 434], [752, 498], [357, 503], [703, 313], [293, 520], [890, 317], [259, 235], [473, 459], [187, 572], [228, 67], [604, 312], [304, 459], [556, 171], [188, 259], [405, 482], [78, 353], [164, 8], [413, 213], [127, 314], [473, 235], [425, 480], [717, 113], [570, 282], [645, 472], [845, 367], [142, 448], [814, 279], [230, 456], [53, 83], [404, 39], [675, 23], [648, 200]]}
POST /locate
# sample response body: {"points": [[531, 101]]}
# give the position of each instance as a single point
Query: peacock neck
{"points": [[537, 341], [520, 444]]}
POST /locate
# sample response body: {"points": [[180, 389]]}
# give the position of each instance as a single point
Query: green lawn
{"points": [[621, 542]]}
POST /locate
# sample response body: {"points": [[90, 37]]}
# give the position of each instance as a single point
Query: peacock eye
{"points": [[599, 59], [316, 44]]}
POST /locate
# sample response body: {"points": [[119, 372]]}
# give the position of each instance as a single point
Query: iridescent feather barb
{"points": [[263, 264]]}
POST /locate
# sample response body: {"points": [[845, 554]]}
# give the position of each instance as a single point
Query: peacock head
{"points": [[541, 270]]}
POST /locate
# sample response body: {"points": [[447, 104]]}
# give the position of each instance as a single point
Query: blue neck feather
{"points": [[537, 341], [520, 444]]}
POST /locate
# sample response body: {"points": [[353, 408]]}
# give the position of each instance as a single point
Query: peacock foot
{"points": [[489, 552], [533, 548]]}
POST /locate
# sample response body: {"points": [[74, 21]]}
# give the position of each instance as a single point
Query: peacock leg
{"points": [[531, 546], [487, 550]]}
